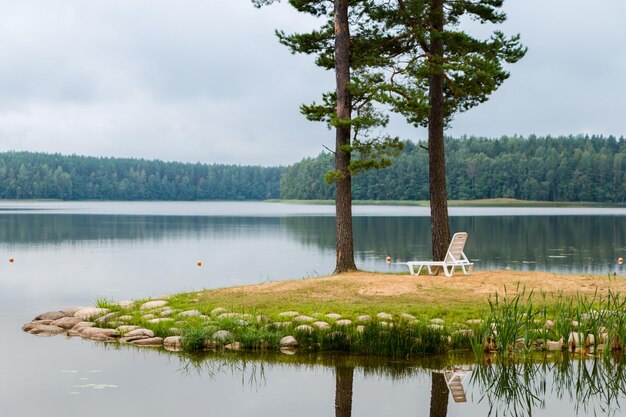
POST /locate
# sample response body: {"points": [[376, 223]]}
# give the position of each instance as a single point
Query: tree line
{"points": [[29, 175], [572, 168], [580, 168]]}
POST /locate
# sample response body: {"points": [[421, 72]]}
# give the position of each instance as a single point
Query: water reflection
{"points": [[553, 385], [581, 244]]}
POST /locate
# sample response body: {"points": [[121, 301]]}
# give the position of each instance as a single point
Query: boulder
{"points": [[29, 326], [66, 322], [305, 328], [132, 339], [364, 317], [289, 314], [148, 316], [407, 316], [344, 322], [152, 341], [333, 316], [218, 310], [440, 322], [474, 322], [190, 313], [96, 333], [229, 316], [552, 345], [70, 311], [288, 342], [173, 341], [51, 315], [139, 332], [153, 304], [46, 330], [549, 325], [125, 318], [321, 325], [304, 319], [159, 320], [384, 316], [126, 328], [360, 328], [222, 336], [233, 346], [105, 318], [125, 303], [90, 312]]}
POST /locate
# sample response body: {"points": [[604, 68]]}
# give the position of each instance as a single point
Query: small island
{"points": [[367, 313]]}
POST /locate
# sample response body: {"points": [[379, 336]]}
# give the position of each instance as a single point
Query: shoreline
{"points": [[358, 313]]}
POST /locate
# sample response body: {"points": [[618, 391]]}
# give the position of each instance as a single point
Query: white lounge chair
{"points": [[455, 258]]}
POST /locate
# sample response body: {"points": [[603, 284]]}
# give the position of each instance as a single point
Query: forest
{"points": [[572, 168], [28, 175]]}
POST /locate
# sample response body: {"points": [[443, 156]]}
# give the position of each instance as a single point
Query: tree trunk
{"points": [[438, 396], [436, 150], [343, 391], [343, 199]]}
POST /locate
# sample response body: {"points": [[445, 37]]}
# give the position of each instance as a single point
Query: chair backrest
{"points": [[455, 250]]}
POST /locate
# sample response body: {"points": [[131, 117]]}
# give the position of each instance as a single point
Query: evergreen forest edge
{"points": [[563, 169]]}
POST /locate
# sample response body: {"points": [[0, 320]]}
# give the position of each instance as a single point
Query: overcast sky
{"points": [[207, 81]]}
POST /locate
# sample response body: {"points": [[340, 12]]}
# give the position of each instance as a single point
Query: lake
{"points": [[68, 254]]}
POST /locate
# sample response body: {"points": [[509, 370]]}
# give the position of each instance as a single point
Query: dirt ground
{"points": [[479, 285]]}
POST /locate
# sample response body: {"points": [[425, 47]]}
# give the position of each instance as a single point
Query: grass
{"points": [[512, 317]]}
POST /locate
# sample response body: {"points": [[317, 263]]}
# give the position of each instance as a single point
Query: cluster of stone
{"points": [[85, 322], [103, 325]]}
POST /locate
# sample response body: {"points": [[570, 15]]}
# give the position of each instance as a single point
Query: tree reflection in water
{"points": [[506, 387], [516, 388]]}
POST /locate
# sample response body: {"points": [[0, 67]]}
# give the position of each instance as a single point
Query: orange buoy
{"points": [[10, 260], [620, 260], [388, 259], [199, 263]]}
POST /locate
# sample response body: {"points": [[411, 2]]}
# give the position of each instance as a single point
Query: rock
{"points": [[126, 328], [435, 326], [222, 336], [51, 315], [190, 313], [173, 341], [148, 316], [407, 316], [70, 311], [96, 333], [166, 313], [288, 342], [575, 340], [229, 316], [139, 332], [103, 319], [321, 325], [384, 316], [79, 327], [344, 322], [549, 325], [289, 314], [233, 346], [304, 328], [219, 310], [90, 312], [474, 322], [46, 330], [552, 345], [153, 341], [210, 344], [132, 339], [333, 316], [125, 303], [364, 317], [438, 321], [305, 319], [66, 322], [384, 324], [288, 351], [591, 340], [29, 326], [360, 328], [125, 318], [262, 319], [574, 325], [153, 304], [159, 320]]}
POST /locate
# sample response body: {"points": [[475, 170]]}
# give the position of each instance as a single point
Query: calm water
{"points": [[72, 253]]}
